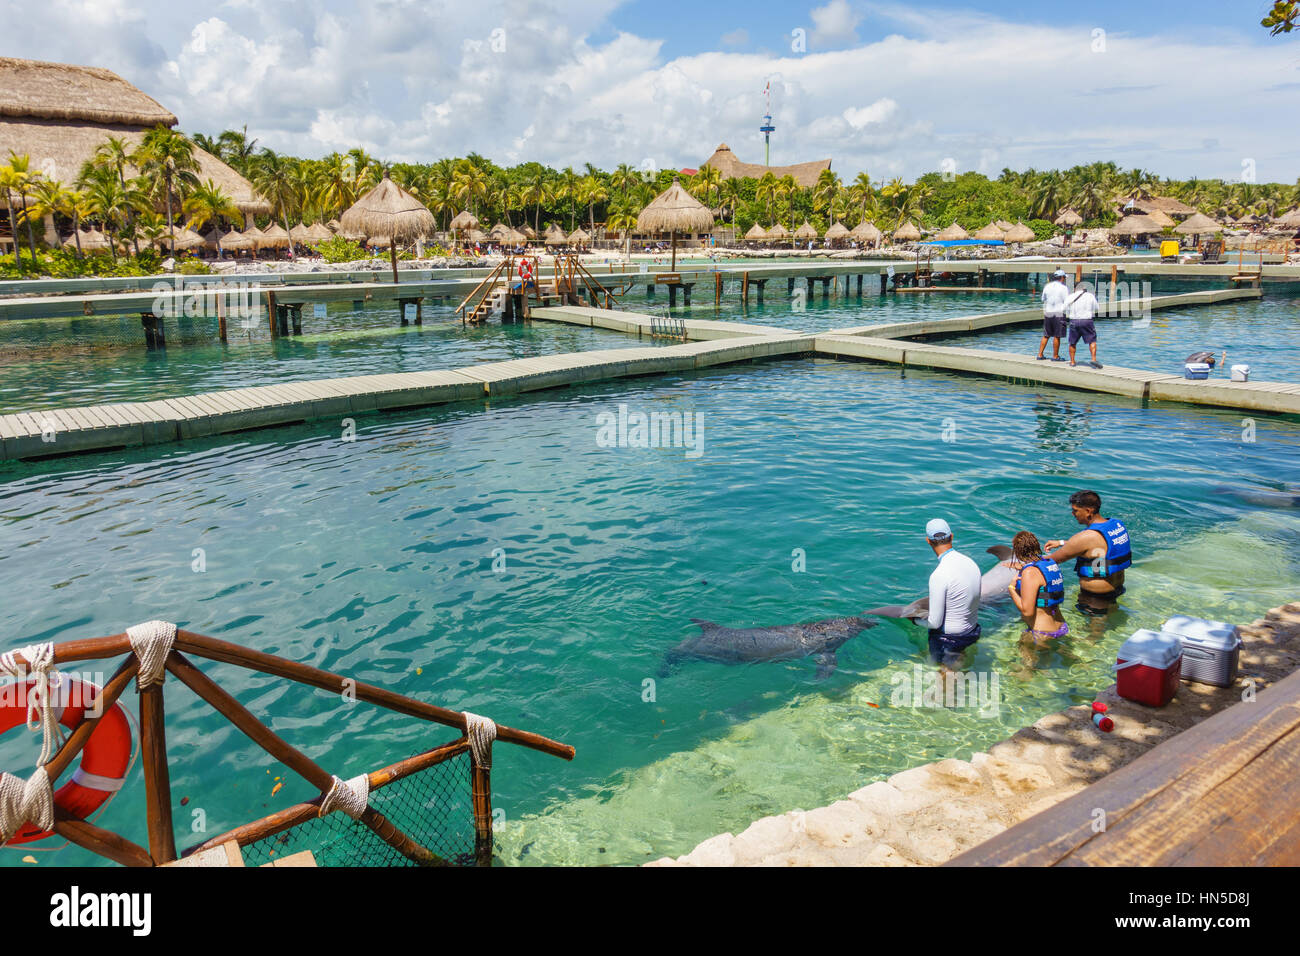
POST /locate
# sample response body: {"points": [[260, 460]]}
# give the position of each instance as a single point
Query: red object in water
{"points": [[1104, 723], [1098, 707]]}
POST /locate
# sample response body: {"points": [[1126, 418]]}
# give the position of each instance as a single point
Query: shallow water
{"points": [[374, 558]]}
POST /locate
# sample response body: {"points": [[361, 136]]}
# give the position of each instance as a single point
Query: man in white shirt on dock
{"points": [[1080, 308], [954, 598], [1054, 295]]}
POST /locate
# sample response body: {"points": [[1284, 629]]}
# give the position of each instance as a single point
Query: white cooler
{"points": [[1210, 649], [1241, 373]]}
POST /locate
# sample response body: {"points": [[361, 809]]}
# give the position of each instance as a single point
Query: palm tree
{"points": [[110, 203], [469, 184], [166, 158], [706, 184], [280, 181], [624, 178], [591, 191], [10, 181], [768, 190], [206, 203], [825, 190], [52, 198], [114, 153], [20, 179], [235, 148], [537, 190]]}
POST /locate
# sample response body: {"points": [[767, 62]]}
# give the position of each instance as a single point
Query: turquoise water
{"points": [[374, 558], [1262, 333]]}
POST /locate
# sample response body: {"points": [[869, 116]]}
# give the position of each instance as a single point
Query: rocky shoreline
{"points": [[930, 814]]}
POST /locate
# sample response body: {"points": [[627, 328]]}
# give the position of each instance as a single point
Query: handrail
{"points": [[487, 278], [153, 745]]}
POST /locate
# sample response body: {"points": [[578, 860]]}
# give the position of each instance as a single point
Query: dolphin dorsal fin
{"points": [[1001, 552], [702, 623]]}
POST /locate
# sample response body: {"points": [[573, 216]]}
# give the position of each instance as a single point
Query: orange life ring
{"points": [[104, 759], [526, 269]]}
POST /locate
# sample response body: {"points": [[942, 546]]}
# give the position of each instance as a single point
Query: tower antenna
{"points": [[767, 128]]}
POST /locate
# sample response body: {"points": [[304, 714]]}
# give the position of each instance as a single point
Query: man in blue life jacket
{"points": [[954, 598], [1101, 552]]}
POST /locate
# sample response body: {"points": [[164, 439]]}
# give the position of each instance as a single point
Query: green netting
{"points": [[432, 807]]}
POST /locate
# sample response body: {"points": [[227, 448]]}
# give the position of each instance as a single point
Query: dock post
{"points": [[481, 801], [789, 286], [744, 286], [154, 339], [672, 296], [221, 316], [761, 284], [1078, 273], [296, 312], [687, 290], [717, 289], [270, 311]]}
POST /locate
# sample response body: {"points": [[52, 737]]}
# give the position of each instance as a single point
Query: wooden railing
{"points": [[153, 748]]}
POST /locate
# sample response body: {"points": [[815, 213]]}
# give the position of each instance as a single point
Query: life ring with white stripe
{"points": [[526, 269], [104, 759]]}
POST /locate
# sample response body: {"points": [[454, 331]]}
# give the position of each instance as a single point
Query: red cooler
{"points": [[1149, 666]]}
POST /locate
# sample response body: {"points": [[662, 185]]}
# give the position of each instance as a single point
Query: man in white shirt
{"points": [[1080, 308], [954, 598], [1054, 295]]}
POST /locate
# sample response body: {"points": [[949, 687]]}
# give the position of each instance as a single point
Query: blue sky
{"points": [[895, 88]]}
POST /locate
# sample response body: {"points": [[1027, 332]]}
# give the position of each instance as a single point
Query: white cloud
{"points": [[421, 79]]}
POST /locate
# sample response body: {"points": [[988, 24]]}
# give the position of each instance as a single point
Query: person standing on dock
{"points": [[954, 598], [1054, 295], [1081, 308], [1102, 553]]}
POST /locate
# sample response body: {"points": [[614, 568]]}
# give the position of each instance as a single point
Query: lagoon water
{"points": [[374, 558]]}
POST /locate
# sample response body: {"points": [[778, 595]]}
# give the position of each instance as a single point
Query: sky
{"points": [[1193, 88]]}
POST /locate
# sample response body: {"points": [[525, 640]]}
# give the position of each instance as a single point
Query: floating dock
{"points": [[58, 432]]}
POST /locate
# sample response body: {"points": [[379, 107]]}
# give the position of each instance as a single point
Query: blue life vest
{"points": [[1118, 554], [1052, 592]]}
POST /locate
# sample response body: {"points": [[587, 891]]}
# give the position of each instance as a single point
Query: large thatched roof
{"points": [[806, 231], [1136, 226], [756, 232], [726, 163], [234, 241], [953, 232], [465, 221], [837, 231], [675, 210], [390, 211], [58, 115], [907, 232], [1289, 220], [1069, 218], [991, 231], [869, 232]]}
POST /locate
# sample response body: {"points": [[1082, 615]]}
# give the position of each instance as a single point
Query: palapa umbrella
{"points": [[1136, 226], [953, 233], [756, 233], [500, 232], [1069, 218], [319, 232], [476, 235], [990, 232], [389, 211], [778, 232], [579, 237], [907, 232], [256, 235], [673, 211], [333, 226], [186, 239], [274, 236], [1196, 224], [235, 241], [528, 231], [869, 232], [92, 240], [1020, 233], [836, 232], [1166, 222], [1290, 220], [464, 222], [1003, 225], [300, 233], [806, 231], [555, 235]]}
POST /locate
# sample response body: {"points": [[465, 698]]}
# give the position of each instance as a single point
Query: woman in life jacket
{"points": [[1039, 589]]}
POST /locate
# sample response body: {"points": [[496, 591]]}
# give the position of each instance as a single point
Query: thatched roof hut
{"points": [[274, 236], [778, 231], [528, 231], [806, 231], [991, 232], [516, 237], [256, 235], [1289, 220], [1165, 221], [837, 231], [554, 236], [92, 240], [1197, 224], [673, 211], [907, 232], [1019, 233], [726, 163], [390, 212], [235, 241], [59, 114], [952, 233], [300, 233], [1136, 226], [579, 237], [869, 232], [183, 241], [1069, 218], [1004, 225], [500, 232], [464, 222], [756, 233], [333, 226], [319, 232]]}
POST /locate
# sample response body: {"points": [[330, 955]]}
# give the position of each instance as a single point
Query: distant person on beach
{"points": [[954, 598], [1080, 309], [1038, 591], [1054, 295], [1102, 553]]}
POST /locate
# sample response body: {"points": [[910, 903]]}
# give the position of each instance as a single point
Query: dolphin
{"points": [[820, 639], [1263, 497], [993, 588]]}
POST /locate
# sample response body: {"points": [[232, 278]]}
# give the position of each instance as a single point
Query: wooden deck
{"points": [[1222, 793]]}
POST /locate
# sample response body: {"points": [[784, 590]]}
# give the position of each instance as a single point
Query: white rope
{"points": [[350, 796], [23, 801], [40, 715], [481, 732], [152, 642]]}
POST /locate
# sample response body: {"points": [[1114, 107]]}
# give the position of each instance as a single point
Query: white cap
{"points": [[1058, 274], [937, 529]]}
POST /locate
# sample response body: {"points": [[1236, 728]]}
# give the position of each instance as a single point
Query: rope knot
{"points": [[481, 732], [152, 641], [350, 796], [40, 715], [25, 801]]}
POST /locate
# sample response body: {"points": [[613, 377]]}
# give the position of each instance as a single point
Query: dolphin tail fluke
{"points": [[826, 664], [1001, 552]]}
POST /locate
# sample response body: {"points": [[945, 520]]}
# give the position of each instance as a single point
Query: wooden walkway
{"points": [[58, 432]]}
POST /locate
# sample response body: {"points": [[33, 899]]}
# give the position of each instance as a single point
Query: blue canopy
{"points": [[964, 242]]}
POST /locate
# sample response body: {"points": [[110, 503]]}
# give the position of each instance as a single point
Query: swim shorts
{"points": [[1083, 330], [948, 648], [1054, 326]]}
